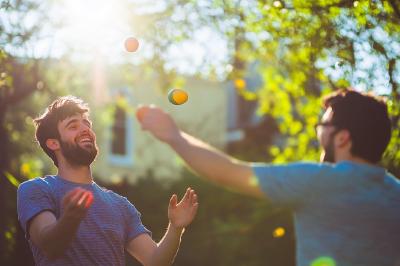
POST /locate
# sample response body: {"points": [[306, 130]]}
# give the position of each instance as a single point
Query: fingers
{"points": [[187, 195], [194, 209], [190, 197], [140, 112], [173, 201], [193, 202], [86, 199], [89, 200], [70, 194], [149, 115], [194, 198], [82, 198], [78, 197]]}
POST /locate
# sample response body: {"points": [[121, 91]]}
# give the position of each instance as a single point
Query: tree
{"points": [[23, 87], [307, 49]]}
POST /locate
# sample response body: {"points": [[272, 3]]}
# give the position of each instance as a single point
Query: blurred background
{"points": [[255, 72]]}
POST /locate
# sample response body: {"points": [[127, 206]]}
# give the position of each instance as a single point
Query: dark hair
{"points": [[46, 124], [366, 118]]}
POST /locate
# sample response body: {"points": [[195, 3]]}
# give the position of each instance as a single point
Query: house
{"points": [[126, 152]]}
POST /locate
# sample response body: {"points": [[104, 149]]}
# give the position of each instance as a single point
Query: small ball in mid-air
{"points": [[177, 96], [140, 111], [131, 44]]}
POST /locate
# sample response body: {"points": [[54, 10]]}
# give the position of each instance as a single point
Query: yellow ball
{"points": [[177, 96]]}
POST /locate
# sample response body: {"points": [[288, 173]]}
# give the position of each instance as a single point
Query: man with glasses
{"points": [[346, 207]]}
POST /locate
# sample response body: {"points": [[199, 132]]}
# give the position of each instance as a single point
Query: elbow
{"points": [[52, 255], [52, 252]]}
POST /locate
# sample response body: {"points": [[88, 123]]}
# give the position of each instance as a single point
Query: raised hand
{"points": [[182, 214], [76, 203], [158, 122]]}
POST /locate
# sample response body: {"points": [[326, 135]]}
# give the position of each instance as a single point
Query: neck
{"points": [[77, 174], [349, 157]]}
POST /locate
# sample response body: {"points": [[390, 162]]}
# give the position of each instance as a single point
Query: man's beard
{"points": [[76, 155], [329, 151], [329, 154]]}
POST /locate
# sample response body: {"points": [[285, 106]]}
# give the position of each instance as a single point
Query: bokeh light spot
{"points": [[323, 261], [240, 84], [278, 232]]}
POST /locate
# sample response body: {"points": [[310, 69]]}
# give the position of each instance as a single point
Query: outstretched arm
{"points": [[205, 160], [180, 215]]}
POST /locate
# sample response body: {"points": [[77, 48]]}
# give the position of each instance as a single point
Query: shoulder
{"points": [[309, 168], [392, 180], [38, 183]]}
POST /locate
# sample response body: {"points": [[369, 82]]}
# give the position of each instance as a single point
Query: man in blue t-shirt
{"points": [[346, 208], [69, 220]]}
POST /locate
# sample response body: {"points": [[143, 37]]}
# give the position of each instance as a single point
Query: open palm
{"points": [[182, 214]]}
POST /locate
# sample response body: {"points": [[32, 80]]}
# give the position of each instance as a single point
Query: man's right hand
{"points": [[76, 203], [158, 122]]}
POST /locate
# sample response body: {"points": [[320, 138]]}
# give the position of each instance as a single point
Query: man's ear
{"points": [[53, 144], [342, 138]]}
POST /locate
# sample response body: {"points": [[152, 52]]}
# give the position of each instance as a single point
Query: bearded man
{"points": [[70, 220]]}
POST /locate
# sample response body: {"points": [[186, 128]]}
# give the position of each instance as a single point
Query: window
{"points": [[119, 129], [120, 146]]}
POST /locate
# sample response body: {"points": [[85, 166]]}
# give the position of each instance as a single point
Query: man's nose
{"points": [[85, 128]]}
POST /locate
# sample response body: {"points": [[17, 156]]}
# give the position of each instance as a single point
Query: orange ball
{"points": [[141, 110], [131, 44], [177, 96]]}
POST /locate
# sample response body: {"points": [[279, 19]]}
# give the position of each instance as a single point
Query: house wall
{"points": [[204, 115]]}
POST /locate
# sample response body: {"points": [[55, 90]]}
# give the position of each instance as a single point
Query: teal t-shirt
{"points": [[346, 213]]}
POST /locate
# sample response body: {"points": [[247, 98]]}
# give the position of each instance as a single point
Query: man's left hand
{"points": [[182, 214]]}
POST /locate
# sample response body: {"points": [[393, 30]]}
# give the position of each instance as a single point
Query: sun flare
{"points": [[97, 25]]}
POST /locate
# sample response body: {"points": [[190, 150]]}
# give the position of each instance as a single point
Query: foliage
{"points": [[304, 50]]}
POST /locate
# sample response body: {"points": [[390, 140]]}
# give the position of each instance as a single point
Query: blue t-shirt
{"points": [[346, 213], [110, 223]]}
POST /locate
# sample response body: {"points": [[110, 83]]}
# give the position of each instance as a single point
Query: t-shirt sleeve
{"points": [[290, 185], [33, 197], [134, 226]]}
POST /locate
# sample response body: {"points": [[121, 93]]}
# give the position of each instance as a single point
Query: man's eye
{"points": [[88, 124]]}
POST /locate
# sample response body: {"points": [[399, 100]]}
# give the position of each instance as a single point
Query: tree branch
{"points": [[395, 8]]}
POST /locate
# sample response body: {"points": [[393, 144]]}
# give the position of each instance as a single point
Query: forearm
{"points": [[55, 238], [209, 162], [167, 247]]}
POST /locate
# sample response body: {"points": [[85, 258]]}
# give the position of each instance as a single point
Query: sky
{"points": [[91, 28]]}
